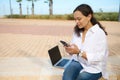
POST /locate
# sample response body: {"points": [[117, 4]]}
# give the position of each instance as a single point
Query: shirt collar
{"points": [[94, 28]]}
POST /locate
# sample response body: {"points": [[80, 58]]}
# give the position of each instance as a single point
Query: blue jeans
{"points": [[72, 72]]}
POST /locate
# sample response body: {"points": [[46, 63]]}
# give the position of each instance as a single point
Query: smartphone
{"points": [[64, 43]]}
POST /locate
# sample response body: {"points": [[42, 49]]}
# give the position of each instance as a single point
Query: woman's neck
{"points": [[88, 26]]}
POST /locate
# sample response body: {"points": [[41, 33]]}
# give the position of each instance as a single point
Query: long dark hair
{"points": [[86, 10]]}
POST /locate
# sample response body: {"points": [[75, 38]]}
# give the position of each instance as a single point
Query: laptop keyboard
{"points": [[63, 62]]}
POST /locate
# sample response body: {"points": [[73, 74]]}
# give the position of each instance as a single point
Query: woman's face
{"points": [[81, 20]]}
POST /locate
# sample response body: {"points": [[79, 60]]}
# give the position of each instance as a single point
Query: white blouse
{"points": [[96, 48]]}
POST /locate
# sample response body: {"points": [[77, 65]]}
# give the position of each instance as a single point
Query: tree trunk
{"points": [[32, 8], [20, 9], [51, 7], [119, 12], [27, 10], [11, 11]]}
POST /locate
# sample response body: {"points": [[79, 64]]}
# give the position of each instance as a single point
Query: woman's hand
{"points": [[72, 49]]}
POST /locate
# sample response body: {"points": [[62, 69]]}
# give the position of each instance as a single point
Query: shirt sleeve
{"points": [[96, 48]]}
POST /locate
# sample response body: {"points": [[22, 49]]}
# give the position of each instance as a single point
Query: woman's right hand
{"points": [[72, 49], [68, 49]]}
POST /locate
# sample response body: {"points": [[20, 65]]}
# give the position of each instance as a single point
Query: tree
{"points": [[27, 10], [20, 8], [50, 6], [32, 5], [11, 11], [101, 10], [119, 13]]}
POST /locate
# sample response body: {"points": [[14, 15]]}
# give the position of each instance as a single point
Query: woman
{"points": [[88, 48]]}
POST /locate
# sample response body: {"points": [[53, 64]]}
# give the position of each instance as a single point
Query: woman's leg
{"points": [[72, 70], [89, 76]]}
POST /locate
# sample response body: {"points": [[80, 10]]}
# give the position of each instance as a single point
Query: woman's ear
{"points": [[89, 16]]}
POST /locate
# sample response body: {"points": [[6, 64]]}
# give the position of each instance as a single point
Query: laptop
{"points": [[56, 58]]}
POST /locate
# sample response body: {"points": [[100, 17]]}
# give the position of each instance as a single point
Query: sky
{"points": [[59, 6]]}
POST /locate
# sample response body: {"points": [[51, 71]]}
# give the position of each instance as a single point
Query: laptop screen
{"points": [[54, 54]]}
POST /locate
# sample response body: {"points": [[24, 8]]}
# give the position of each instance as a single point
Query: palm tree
{"points": [[19, 1], [11, 11], [27, 10], [32, 5], [50, 6], [119, 13]]}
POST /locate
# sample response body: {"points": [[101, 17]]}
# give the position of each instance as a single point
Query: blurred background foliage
{"points": [[101, 16]]}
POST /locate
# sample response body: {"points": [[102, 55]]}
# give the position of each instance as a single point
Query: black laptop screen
{"points": [[54, 54]]}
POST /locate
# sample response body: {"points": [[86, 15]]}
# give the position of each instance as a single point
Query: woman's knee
{"points": [[83, 76], [88, 76], [72, 71]]}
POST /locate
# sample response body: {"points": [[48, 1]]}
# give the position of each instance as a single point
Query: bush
{"points": [[16, 16], [70, 17], [110, 16], [107, 16]]}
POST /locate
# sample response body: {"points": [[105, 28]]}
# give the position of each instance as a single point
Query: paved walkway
{"points": [[24, 45]]}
